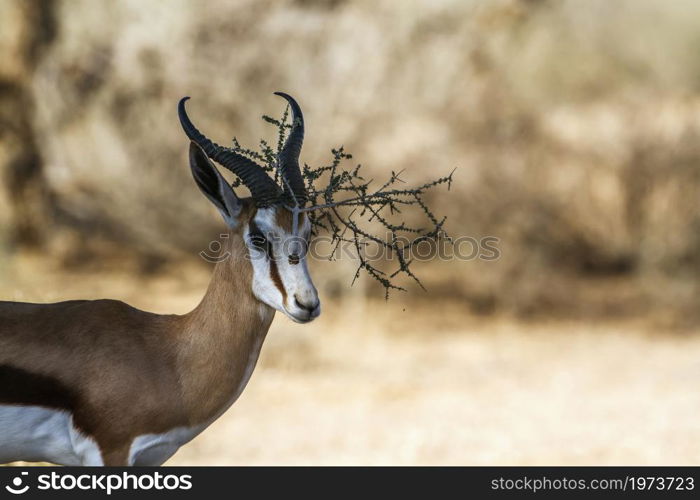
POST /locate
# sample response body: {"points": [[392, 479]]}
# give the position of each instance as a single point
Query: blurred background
{"points": [[574, 127]]}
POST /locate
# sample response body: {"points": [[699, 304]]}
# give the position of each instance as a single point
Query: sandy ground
{"points": [[344, 392], [378, 383]]}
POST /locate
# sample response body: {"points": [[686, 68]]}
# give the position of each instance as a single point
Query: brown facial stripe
{"points": [[20, 387], [274, 272], [277, 280]]}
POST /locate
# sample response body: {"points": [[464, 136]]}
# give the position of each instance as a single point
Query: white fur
{"points": [[154, 449], [296, 279], [36, 434]]}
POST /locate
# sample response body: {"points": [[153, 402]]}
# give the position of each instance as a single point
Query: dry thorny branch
{"points": [[344, 205]]}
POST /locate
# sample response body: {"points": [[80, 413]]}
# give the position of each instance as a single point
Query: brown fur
{"points": [[284, 219], [277, 280], [123, 372]]}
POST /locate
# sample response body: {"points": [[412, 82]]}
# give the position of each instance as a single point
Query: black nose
{"points": [[306, 307]]}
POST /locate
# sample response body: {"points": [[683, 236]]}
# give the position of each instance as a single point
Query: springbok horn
{"points": [[289, 156], [262, 188]]}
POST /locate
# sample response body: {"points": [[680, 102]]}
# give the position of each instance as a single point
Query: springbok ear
{"points": [[214, 186]]}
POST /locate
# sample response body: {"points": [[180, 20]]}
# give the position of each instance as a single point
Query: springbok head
{"points": [[275, 231]]}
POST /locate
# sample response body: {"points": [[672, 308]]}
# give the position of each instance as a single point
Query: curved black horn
{"points": [[262, 188], [289, 156]]}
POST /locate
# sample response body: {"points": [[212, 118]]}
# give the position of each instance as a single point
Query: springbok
{"points": [[98, 382]]}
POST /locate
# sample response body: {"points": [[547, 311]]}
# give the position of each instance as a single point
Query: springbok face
{"points": [[276, 251], [276, 242], [281, 276]]}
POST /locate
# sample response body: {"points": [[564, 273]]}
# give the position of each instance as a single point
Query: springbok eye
{"points": [[260, 242]]}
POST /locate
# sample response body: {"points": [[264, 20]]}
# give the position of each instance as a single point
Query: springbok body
{"points": [[102, 383]]}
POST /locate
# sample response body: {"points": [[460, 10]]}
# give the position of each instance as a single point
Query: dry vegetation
{"points": [[575, 130]]}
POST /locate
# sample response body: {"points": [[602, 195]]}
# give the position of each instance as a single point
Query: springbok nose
{"points": [[306, 307]]}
